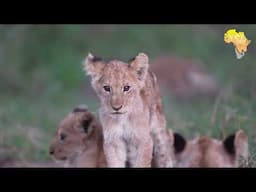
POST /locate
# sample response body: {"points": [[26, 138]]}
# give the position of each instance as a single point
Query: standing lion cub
{"points": [[134, 126], [78, 141]]}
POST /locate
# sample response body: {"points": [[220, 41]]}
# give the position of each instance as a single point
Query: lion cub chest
{"points": [[121, 129]]}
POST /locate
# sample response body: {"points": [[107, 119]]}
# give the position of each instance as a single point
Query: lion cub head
{"points": [[117, 84], [208, 152], [78, 137]]}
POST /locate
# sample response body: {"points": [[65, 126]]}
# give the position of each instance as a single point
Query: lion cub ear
{"points": [[241, 144], [93, 65], [86, 122], [228, 144], [179, 143], [140, 65], [237, 144]]}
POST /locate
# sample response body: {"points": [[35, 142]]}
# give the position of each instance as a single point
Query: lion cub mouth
{"points": [[118, 113]]}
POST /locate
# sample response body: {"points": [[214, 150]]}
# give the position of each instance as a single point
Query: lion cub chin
{"points": [[131, 112], [78, 141], [209, 152]]}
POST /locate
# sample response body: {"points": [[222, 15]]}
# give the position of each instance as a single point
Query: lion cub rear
{"points": [[78, 141], [209, 152]]}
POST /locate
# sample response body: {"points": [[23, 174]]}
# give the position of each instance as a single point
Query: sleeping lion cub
{"points": [[78, 141], [208, 152]]}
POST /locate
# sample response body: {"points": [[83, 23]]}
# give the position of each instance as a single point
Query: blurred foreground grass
{"points": [[41, 78]]}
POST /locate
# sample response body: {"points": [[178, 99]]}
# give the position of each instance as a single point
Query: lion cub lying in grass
{"points": [[208, 152], [78, 141]]}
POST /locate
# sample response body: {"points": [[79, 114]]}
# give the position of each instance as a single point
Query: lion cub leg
{"points": [[140, 153], [115, 152], [162, 149]]}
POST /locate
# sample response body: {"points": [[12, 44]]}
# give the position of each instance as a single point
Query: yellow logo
{"points": [[239, 41]]}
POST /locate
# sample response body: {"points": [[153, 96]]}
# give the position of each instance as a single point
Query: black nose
{"points": [[51, 151], [117, 108]]}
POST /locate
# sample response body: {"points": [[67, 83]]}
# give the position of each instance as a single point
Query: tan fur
{"points": [[209, 152], [80, 148], [139, 130], [184, 78]]}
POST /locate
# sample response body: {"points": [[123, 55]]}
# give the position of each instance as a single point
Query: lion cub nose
{"points": [[51, 151], [117, 108]]}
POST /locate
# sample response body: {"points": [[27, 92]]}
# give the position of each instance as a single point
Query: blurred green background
{"points": [[41, 78]]}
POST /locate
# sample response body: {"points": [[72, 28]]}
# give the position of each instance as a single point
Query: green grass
{"points": [[41, 78]]}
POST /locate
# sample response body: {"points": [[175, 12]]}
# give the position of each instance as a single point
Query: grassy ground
{"points": [[41, 78]]}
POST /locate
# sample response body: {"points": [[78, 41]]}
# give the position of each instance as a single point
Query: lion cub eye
{"points": [[107, 88], [126, 88], [62, 137]]}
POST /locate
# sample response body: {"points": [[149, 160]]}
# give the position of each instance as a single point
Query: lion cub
{"points": [[134, 126], [78, 141], [208, 152]]}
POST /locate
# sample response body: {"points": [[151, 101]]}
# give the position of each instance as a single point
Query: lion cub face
{"points": [[118, 84], [72, 134], [208, 152]]}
